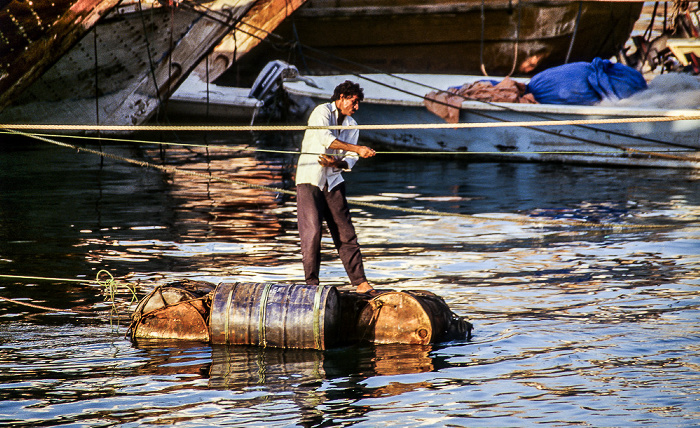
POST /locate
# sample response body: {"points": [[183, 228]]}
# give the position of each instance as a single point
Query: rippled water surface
{"points": [[588, 326]]}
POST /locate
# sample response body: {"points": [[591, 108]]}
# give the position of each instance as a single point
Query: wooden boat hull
{"points": [[36, 34], [124, 71], [263, 18], [518, 37], [673, 144]]}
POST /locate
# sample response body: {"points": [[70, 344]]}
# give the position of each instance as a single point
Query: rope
{"points": [[31, 305], [174, 170], [376, 306], [573, 35], [317, 315], [150, 56], [43, 278], [229, 128], [262, 322], [516, 45], [109, 283], [260, 128], [481, 45], [384, 152]]}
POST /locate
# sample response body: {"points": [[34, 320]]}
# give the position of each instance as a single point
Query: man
{"points": [[325, 153]]}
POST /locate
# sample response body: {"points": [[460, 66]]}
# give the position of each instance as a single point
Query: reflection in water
{"points": [[260, 377]]}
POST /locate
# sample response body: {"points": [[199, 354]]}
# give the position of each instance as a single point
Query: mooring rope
{"points": [[175, 170], [110, 285], [31, 305], [234, 128], [382, 152], [262, 128]]}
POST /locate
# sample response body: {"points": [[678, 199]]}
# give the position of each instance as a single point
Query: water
{"points": [[573, 326]]}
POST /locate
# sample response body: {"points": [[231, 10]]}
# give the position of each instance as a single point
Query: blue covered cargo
{"points": [[583, 83]]}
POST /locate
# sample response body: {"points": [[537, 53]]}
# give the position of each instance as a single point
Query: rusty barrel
{"points": [[409, 317], [171, 313], [277, 315]]}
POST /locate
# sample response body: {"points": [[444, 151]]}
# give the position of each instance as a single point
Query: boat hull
{"points": [[124, 71], [639, 141], [262, 20], [518, 38], [628, 144], [36, 34]]}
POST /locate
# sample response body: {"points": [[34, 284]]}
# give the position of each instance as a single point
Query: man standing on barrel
{"points": [[325, 154]]}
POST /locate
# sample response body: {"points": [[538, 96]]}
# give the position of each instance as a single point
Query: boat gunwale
{"points": [[328, 11], [299, 88]]}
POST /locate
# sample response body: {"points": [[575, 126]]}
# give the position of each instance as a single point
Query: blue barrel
{"points": [[277, 315]]}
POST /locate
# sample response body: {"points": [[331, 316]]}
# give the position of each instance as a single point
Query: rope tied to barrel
{"points": [[262, 339], [112, 287], [316, 317], [139, 316], [376, 306]]}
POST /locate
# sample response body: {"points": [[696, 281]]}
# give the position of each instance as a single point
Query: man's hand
{"points": [[331, 161], [365, 152]]}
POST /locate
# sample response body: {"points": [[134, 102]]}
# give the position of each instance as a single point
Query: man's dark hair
{"points": [[348, 89]]}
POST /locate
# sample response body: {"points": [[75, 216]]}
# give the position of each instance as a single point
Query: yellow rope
{"points": [[659, 153], [229, 128], [111, 288], [32, 305], [174, 170], [43, 278]]}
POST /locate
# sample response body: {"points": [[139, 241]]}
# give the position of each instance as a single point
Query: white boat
{"points": [[394, 106], [197, 100]]}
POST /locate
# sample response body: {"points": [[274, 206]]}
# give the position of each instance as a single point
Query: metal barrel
{"points": [[170, 313], [409, 317], [277, 315]]}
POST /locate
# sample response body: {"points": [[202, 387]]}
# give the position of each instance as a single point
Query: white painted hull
{"points": [[673, 144], [197, 101]]}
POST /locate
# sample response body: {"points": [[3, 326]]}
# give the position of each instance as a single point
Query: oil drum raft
{"points": [[293, 316]]}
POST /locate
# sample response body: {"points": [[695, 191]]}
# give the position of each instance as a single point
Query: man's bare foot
{"points": [[364, 288]]}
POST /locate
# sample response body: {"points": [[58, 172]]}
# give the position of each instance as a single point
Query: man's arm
{"points": [[363, 151], [332, 161]]}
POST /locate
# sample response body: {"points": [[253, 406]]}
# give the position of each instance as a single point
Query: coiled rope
{"points": [[474, 218]]}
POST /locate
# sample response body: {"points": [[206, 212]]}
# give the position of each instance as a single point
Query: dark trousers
{"points": [[313, 207]]}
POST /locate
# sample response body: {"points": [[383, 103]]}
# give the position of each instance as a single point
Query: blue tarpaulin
{"points": [[584, 83]]}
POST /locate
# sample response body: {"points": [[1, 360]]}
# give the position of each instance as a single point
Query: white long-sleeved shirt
{"points": [[317, 141]]}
